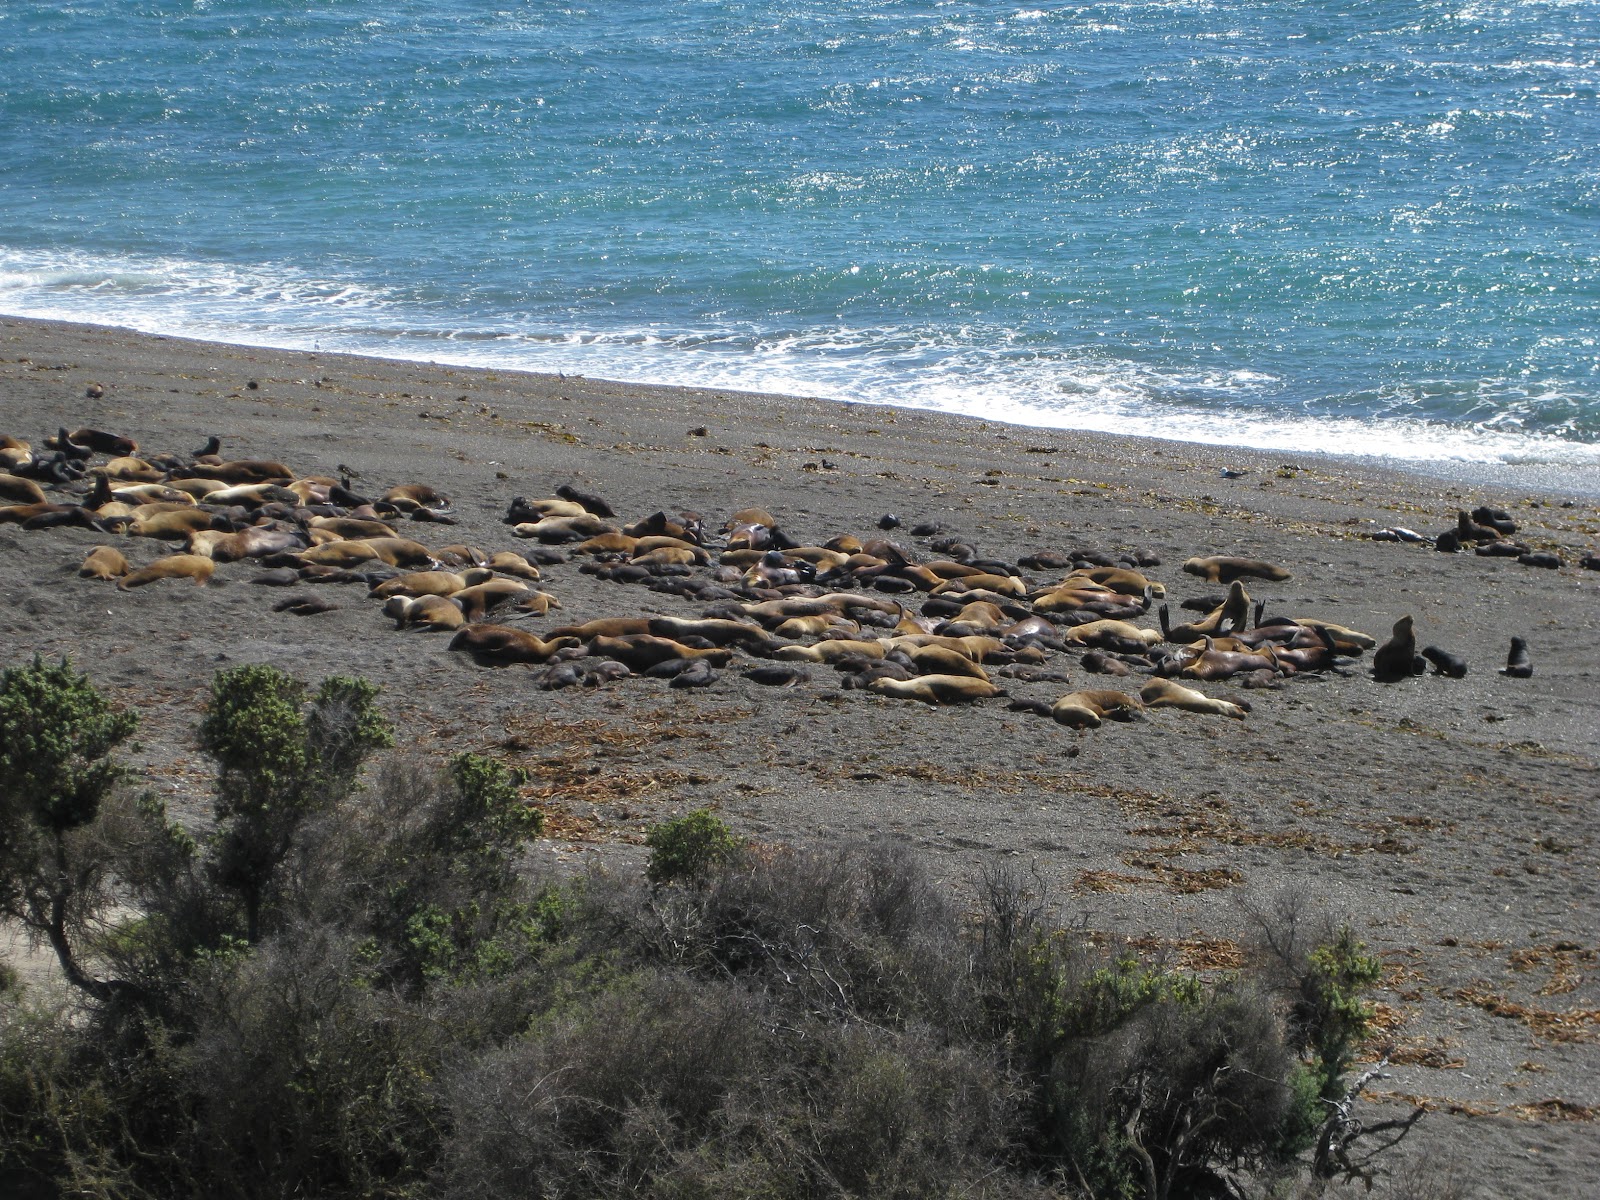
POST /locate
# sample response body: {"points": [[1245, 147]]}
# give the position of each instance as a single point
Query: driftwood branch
{"points": [[1337, 1152]]}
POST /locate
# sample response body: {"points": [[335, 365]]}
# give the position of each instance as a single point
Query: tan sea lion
{"points": [[1107, 634], [538, 602], [408, 496], [353, 527], [508, 562], [941, 660], [174, 566], [1220, 568], [255, 542], [1163, 693], [480, 599], [831, 651], [936, 689], [563, 529], [400, 552], [1123, 580], [1089, 708], [240, 470], [172, 523], [14, 489], [104, 562], [419, 583], [604, 627], [641, 651], [424, 612]]}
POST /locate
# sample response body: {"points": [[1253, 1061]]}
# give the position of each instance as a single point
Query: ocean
{"points": [[1368, 228]]}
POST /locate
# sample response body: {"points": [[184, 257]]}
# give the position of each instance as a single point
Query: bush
{"points": [[688, 848]]}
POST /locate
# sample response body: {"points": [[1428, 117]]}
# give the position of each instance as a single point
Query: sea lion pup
{"points": [[1099, 662], [563, 529], [1087, 709], [305, 605], [641, 651], [1111, 635], [721, 632], [1232, 615], [777, 675], [1223, 569], [1397, 658], [423, 612], [501, 646], [419, 583], [480, 599], [1468, 530], [238, 471], [175, 566], [1163, 693], [103, 562], [937, 689], [831, 651], [941, 660], [1518, 664], [1445, 663], [16, 490]]}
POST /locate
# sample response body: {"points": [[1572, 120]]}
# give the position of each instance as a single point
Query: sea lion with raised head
{"points": [[1397, 658]]}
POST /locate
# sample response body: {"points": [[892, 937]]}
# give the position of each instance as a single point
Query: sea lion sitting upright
{"points": [[1518, 664], [1397, 658]]}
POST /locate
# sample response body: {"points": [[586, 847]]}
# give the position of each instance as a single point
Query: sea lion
{"points": [[509, 562], [831, 651], [604, 627], [1163, 693], [976, 648], [1000, 585], [16, 490], [176, 523], [242, 470], [721, 632], [1397, 658], [304, 605], [174, 566], [104, 562], [253, 495], [409, 496], [353, 527], [255, 542], [419, 583], [1518, 664], [1445, 663], [936, 689], [556, 530], [640, 651], [423, 612], [1111, 635], [500, 645], [1123, 580], [1232, 614], [777, 675], [482, 598], [940, 660], [537, 602], [588, 500], [1222, 569], [101, 442], [339, 554], [1089, 708]]}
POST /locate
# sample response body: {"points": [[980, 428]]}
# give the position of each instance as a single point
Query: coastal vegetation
{"points": [[349, 982]]}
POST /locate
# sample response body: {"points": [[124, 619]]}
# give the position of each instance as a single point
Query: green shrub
{"points": [[686, 849]]}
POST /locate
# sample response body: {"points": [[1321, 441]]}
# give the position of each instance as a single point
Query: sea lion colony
{"points": [[937, 626]]}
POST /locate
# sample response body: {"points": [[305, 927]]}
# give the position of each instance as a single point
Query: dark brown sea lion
{"points": [[1518, 664], [500, 645], [1397, 658]]}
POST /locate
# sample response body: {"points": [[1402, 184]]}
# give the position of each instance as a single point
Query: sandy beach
{"points": [[1451, 821]]}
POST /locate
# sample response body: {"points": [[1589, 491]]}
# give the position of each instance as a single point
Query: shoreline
{"points": [[1548, 478], [1452, 821]]}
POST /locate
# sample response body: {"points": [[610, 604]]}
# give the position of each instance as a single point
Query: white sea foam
{"points": [[1000, 375]]}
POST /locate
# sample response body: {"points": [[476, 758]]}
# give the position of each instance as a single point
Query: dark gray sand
{"points": [[1453, 821]]}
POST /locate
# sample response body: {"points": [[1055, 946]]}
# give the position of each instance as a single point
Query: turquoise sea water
{"points": [[1366, 228]]}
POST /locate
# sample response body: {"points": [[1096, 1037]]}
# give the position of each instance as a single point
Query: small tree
{"points": [[56, 732], [686, 848], [277, 764]]}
